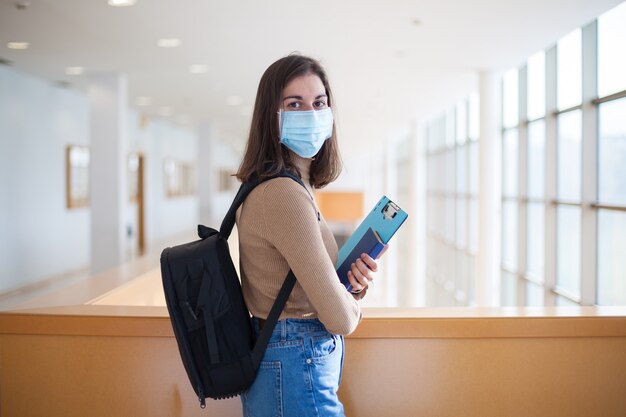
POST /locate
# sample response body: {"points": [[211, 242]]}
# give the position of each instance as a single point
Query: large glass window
{"points": [[510, 156], [569, 165], [569, 70], [508, 289], [611, 56], [461, 223], [509, 234], [611, 259], [510, 186], [510, 99], [534, 294], [473, 226], [474, 117], [536, 70], [562, 185], [535, 240], [452, 200], [611, 263], [548, 203], [473, 123], [568, 250], [536, 159], [612, 152]]}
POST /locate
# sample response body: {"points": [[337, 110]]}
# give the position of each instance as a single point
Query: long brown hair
{"points": [[264, 155]]}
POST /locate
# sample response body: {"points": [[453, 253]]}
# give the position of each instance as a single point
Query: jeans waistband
{"points": [[291, 325]]}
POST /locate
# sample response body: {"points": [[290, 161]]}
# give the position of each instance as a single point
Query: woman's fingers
{"points": [[370, 263], [361, 272], [356, 286]]}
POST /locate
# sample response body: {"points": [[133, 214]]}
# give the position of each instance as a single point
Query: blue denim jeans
{"points": [[299, 374]]}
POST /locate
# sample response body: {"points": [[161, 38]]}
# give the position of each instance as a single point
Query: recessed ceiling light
{"points": [[143, 101], [198, 69], [168, 42], [121, 3], [233, 100], [74, 70], [18, 45]]}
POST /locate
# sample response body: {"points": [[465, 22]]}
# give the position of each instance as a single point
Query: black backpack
{"points": [[211, 322]]}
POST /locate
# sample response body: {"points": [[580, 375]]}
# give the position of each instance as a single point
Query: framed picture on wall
{"points": [[77, 176], [180, 178]]}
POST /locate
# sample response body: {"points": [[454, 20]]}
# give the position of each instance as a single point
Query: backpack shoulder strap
{"points": [[272, 319], [229, 219], [290, 281]]}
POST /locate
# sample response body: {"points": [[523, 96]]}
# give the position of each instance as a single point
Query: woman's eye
{"points": [[319, 104], [294, 105]]}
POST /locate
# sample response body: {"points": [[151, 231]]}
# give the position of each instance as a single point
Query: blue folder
{"points": [[385, 219]]}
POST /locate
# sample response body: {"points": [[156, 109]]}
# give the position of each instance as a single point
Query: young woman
{"points": [[281, 228]]}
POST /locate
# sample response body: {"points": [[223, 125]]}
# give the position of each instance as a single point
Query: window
{"points": [[508, 289], [569, 165], [612, 152], [510, 99], [611, 263], [509, 235], [568, 250], [563, 181], [569, 70], [569, 200], [534, 294], [611, 57], [536, 159], [510, 187], [452, 193], [536, 86], [535, 241], [510, 148], [611, 260]]}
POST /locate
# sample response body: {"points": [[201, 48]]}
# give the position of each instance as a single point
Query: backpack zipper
{"points": [[201, 397], [193, 313]]}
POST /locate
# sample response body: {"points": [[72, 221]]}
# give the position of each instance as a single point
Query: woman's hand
{"points": [[362, 272]]}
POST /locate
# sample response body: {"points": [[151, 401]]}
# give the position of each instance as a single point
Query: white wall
{"points": [[39, 236], [7, 269]]}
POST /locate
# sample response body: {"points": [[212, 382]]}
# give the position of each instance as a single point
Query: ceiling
{"points": [[391, 63]]}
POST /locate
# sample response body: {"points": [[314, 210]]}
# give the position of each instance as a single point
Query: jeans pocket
{"points": [[265, 396], [323, 346]]}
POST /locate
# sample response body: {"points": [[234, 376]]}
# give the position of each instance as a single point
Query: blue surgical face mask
{"points": [[304, 132]]}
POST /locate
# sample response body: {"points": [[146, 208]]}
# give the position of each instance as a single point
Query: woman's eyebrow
{"points": [[300, 97]]}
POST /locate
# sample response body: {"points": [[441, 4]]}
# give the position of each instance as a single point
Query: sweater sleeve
{"points": [[291, 224]]}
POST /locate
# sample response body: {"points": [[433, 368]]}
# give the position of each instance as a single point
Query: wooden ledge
{"points": [[379, 323]]}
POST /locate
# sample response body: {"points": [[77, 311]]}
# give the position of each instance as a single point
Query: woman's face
{"points": [[306, 92]]}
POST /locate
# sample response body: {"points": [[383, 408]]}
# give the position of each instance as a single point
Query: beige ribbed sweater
{"points": [[279, 229]]}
